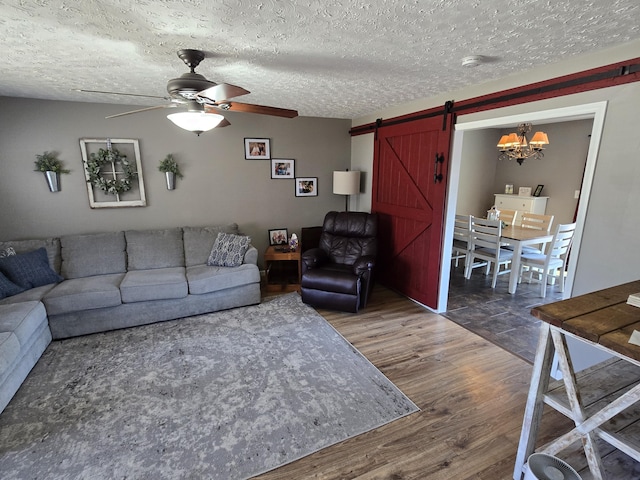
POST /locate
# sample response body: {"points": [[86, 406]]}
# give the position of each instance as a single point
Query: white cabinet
{"points": [[521, 204]]}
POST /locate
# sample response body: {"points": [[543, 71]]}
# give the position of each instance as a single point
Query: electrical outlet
{"points": [[576, 194]]}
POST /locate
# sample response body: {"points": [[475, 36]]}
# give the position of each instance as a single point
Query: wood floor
{"points": [[471, 394]]}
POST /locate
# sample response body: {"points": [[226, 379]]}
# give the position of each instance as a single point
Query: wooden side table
{"points": [[595, 396], [282, 269]]}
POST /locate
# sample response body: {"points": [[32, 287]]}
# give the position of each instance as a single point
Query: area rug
{"points": [[227, 396]]}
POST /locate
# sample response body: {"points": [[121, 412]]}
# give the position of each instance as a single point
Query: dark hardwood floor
{"points": [[495, 314], [471, 396]]}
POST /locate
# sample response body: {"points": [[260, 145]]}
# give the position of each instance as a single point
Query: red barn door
{"points": [[409, 198]]}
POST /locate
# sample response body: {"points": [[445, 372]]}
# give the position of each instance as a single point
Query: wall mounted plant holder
{"points": [[53, 180], [171, 180], [51, 167], [171, 170]]}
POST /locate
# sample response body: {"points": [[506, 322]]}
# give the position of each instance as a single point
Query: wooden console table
{"points": [[282, 270], [595, 396]]}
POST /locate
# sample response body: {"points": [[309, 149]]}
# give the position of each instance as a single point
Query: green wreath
{"points": [[112, 186]]}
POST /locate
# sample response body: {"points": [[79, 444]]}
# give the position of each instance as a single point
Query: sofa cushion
{"points": [[9, 352], [28, 295], [29, 270], [147, 249], [8, 288], [155, 284], [22, 319], [198, 242], [228, 250], [52, 245], [85, 293], [95, 254], [207, 279], [337, 278]]}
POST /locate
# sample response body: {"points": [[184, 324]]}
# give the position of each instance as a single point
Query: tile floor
{"points": [[495, 314]]}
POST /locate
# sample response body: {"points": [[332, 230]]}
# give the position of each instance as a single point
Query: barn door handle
{"points": [[437, 177]]}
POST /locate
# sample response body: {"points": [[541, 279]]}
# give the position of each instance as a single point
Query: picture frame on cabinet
{"points": [[538, 190], [524, 192]]}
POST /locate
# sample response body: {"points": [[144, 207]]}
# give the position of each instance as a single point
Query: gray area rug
{"points": [[226, 396]]}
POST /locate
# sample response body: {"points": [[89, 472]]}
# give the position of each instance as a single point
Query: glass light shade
{"points": [[196, 122], [539, 139], [346, 182]]}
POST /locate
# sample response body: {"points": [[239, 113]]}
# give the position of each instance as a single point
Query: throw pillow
{"points": [[7, 252], [8, 288], [228, 250], [29, 270]]}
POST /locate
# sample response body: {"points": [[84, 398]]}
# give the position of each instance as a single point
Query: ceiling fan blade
{"points": [[122, 93], [252, 108], [224, 123], [222, 91], [157, 107]]}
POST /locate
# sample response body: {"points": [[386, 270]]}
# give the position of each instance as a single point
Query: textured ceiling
{"points": [[324, 58]]}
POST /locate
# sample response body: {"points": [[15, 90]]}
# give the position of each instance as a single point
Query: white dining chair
{"points": [[460, 247], [552, 263], [508, 216], [485, 245], [536, 221]]}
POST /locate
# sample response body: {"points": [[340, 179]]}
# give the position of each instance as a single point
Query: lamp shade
{"points": [[196, 122], [346, 182], [539, 139]]}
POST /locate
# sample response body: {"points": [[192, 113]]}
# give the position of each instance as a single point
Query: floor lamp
{"points": [[346, 183]]}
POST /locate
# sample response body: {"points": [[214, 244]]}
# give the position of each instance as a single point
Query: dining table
{"points": [[518, 237]]}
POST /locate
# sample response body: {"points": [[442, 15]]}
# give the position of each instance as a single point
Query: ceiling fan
{"points": [[203, 98]]}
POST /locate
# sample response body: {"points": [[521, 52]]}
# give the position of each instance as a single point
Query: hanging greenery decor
{"points": [[112, 186], [48, 162]]}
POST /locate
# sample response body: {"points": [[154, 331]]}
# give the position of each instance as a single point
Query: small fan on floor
{"points": [[546, 467]]}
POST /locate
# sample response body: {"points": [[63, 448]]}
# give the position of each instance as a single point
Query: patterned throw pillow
{"points": [[228, 250], [8, 288], [7, 252], [29, 270]]}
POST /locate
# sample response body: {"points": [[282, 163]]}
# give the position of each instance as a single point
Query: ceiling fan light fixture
{"points": [[196, 122]]}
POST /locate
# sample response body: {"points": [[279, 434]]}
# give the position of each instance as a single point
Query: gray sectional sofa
{"points": [[99, 282]]}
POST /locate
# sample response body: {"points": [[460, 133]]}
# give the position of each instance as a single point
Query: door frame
{"points": [[595, 111]]}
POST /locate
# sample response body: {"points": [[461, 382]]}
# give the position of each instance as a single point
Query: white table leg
{"points": [[535, 400], [515, 267]]}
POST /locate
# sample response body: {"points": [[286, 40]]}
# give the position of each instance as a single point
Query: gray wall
{"points": [[219, 185], [477, 173]]}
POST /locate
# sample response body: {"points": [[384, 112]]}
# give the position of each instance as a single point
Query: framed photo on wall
{"points": [[257, 148], [307, 187], [278, 236], [282, 168], [538, 190]]}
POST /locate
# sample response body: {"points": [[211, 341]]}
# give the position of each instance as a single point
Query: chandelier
{"points": [[514, 145]]}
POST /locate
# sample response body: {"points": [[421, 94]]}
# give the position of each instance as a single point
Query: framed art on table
{"points": [[538, 190], [278, 236]]}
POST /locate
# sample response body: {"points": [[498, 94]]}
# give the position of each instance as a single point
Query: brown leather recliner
{"points": [[338, 275]]}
